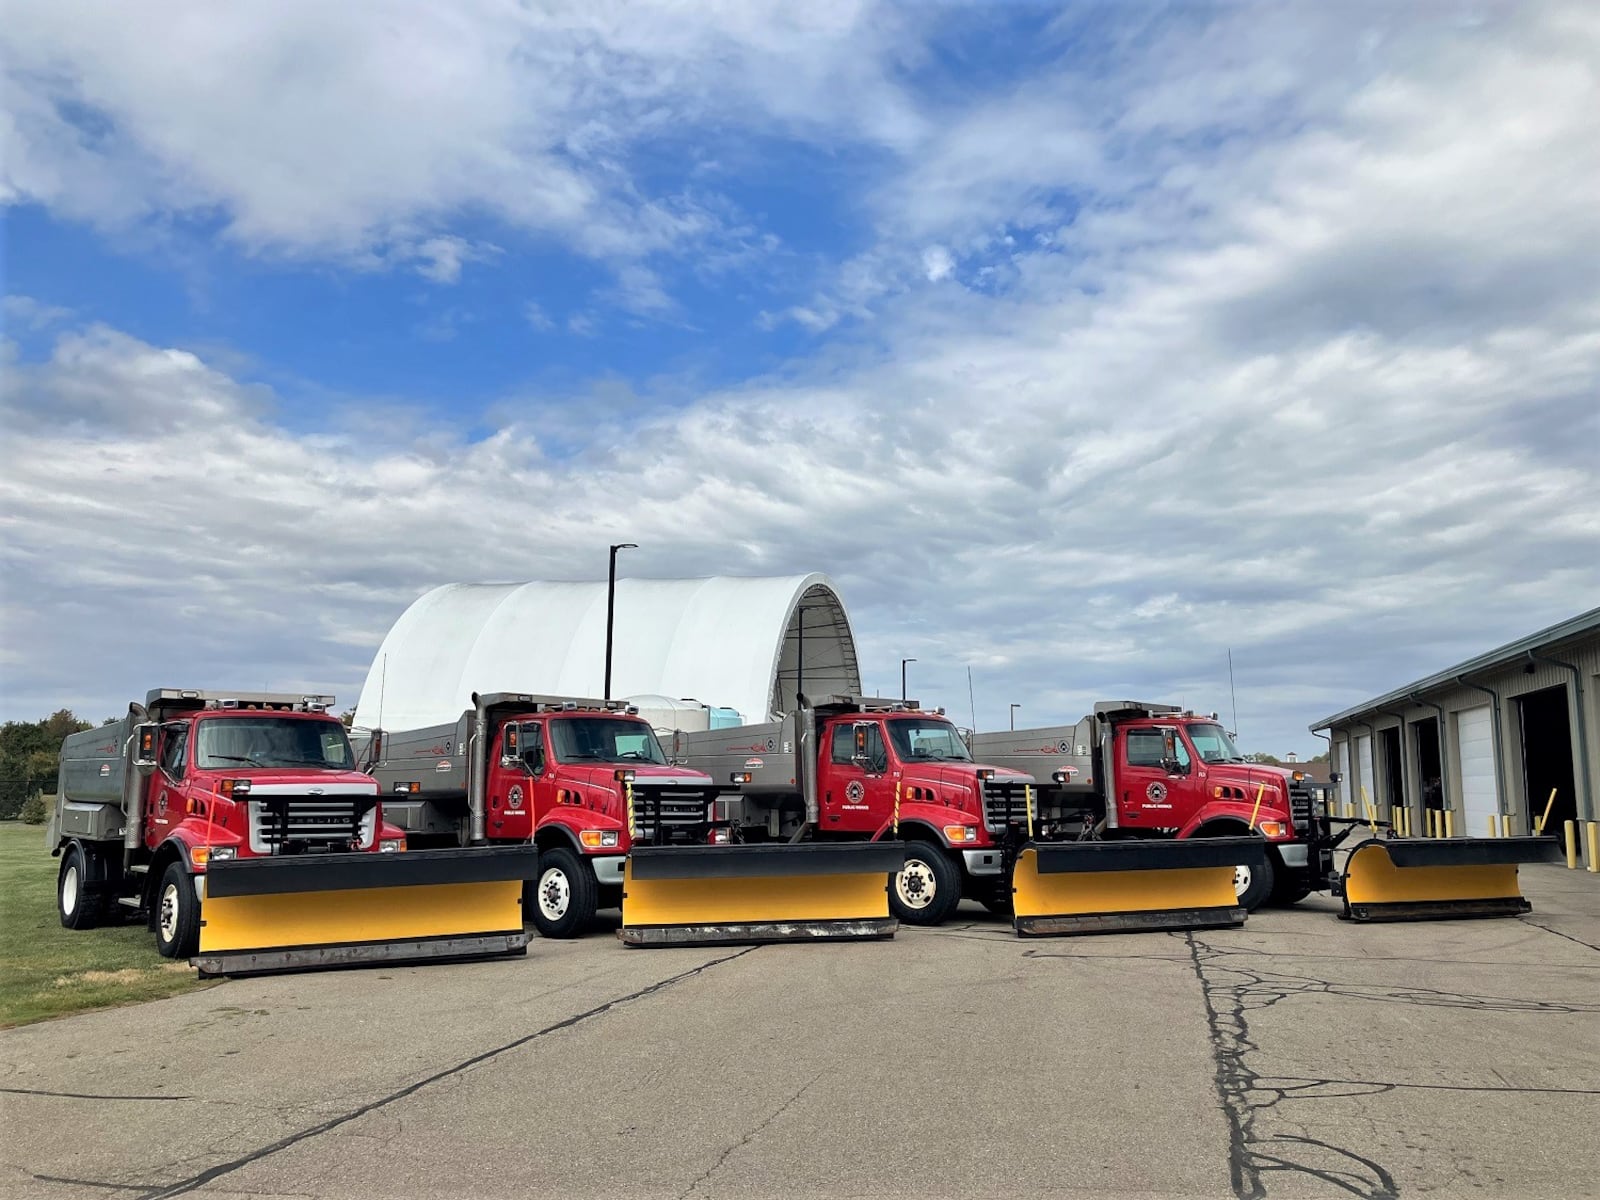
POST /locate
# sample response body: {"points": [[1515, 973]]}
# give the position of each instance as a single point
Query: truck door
{"points": [[854, 784], [514, 778], [1154, 763], [165, 800]]}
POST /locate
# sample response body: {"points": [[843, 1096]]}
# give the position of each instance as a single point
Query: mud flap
{"points": [[1120, 887], [304, 912], [1430, 879], [770, 892]]}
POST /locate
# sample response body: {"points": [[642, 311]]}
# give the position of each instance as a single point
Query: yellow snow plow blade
{"points": [[777, 892], [302, 912], [1119, 887], [1423, 879]]}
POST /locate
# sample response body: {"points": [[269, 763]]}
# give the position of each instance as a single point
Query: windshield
{"points": [[272, 742], [925, 739], [1213, 743], [605, 739]]}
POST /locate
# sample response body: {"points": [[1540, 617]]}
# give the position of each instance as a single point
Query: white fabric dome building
{"points": [[735, 643]]}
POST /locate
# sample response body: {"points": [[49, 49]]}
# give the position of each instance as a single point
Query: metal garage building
{"points": [[745, 644], [1492, 736]]}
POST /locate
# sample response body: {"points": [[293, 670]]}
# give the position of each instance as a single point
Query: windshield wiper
{"points": [[244, 758]]}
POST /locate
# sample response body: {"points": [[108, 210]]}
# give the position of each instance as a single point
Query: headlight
{"points": [[391, 845], [961, 833], [598, 838], [1273, 829], [201, 855]]}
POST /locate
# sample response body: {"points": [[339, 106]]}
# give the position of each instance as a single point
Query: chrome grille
{"points": [[675, 810], [1004, 805], [307, 822], [1300, 804]]}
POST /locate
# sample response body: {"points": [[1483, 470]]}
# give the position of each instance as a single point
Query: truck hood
{"points": [[644, 774], [959, 774], [284, 780], [1247, 775]]}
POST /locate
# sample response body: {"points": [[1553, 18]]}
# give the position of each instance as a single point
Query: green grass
{"points": [[48, 971]]}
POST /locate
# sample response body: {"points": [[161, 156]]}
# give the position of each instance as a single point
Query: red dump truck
{"points": [[553, 771], [1133, 769], [241, 828], [854, 769]]}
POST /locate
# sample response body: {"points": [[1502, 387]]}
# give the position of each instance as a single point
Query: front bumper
{"points": [[608, 869], [982, 862]]}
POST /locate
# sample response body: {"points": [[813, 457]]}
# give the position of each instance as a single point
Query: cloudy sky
{"points": [[1077, 344]]}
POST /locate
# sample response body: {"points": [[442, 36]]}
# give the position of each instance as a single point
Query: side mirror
{"points": [[510, 745], [860, 757], [145, 740]]}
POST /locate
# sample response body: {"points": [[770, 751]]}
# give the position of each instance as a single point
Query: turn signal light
{"points": [[985, 772], [1273, 829], [624, 775], [598, 838], [406, 789], [740, 777], [961, 833], [235, 787]]}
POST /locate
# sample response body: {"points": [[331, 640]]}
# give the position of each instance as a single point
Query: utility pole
{"points": [[611, 608]]}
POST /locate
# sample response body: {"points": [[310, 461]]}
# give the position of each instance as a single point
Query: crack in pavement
{"points": [[1530, 921], [204, 1177], [1237, 1085], [82, 1095], [749, 1137], [94, 1183]]}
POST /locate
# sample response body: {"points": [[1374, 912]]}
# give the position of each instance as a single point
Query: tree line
{"points": [[29, 754]]}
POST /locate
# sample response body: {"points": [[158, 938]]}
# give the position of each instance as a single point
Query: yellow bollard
{"points": [[1494, 825], [1372, 817], [1570, 830], [1427, 817], [1594, 845], [1539, 828], [1449, 822], [1505, 825]]}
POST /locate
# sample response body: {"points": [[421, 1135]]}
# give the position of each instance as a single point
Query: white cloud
{"points": [[1323, 394], [311, 129], [937, 263], [30, 313], [536, 317]]}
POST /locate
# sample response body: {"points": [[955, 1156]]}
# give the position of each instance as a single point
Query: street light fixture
{"points": [[903, 663], [1014, 708], [611, 607]]}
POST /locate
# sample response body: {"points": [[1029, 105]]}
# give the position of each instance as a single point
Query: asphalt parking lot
{"points": [[1300, 1056]]}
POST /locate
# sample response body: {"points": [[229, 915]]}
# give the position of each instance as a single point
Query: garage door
{"points": [[1364, 755], [1475, 742]]}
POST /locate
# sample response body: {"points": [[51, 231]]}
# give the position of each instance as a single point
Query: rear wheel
{"points": [[927, 888], [79, 908], [177, 914], [564, 897]]}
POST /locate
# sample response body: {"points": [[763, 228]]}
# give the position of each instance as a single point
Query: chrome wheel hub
{"points": [[554, 893], [915, 884]]}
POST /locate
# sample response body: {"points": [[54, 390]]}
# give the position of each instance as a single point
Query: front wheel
{"points": [[1252, 885], [927, 888], [78, 907], [564, 897], [177, 914]]}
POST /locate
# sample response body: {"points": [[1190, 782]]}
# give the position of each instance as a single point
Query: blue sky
{"points": [[1078, 343]]}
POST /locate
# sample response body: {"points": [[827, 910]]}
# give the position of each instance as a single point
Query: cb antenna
{"points": [[1231, 694]]}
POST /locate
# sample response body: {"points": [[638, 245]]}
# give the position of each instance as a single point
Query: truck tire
{"points": [[563, 899], [927, 889], [1253, 887], [78, 906], [177, 915], [1289, 890]]}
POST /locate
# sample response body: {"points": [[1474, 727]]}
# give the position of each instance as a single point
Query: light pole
{"points": [[903, 663], [1014, 708], [611, 607]]}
